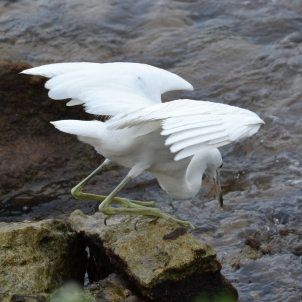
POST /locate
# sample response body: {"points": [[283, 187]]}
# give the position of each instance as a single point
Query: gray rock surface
{"points": [[160, 260], [36, 257]]}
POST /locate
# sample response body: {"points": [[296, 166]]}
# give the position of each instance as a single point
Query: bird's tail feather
{"points": [[87, 131]]}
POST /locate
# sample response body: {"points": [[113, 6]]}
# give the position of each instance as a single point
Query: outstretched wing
{"points": [[131, 93], [192, 126], [109, 88]]}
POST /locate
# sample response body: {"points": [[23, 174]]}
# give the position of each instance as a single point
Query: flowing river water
{"points": [[242, 53]]}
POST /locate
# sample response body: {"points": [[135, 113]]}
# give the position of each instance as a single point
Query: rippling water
{"points": [[244, 53]]}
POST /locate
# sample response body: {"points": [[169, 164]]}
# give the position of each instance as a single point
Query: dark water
{"points": [[244, 53]]}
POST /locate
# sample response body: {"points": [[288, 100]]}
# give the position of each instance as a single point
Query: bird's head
{"points": [[212, 172]]}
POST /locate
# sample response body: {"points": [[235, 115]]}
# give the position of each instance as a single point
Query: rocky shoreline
{"points": [[157, 262]]}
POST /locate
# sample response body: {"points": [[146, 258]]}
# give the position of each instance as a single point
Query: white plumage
{"points": [[176, 141]]}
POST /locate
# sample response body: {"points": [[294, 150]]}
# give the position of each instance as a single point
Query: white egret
{"points": [[176, 141]]}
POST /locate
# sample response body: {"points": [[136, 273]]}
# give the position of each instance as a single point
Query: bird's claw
{"points": [[135, 223], [105, 220]]}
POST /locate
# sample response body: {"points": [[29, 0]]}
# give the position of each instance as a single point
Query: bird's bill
{"points": [[218, 189]]}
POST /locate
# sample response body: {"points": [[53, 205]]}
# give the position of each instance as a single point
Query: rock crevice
{"points": [[158, 269]]}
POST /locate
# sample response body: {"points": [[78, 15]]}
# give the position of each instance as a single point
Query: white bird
{"points": [[176, 141]]}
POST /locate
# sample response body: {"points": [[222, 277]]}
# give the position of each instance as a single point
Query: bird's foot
{"points": [[144, 212], [184, 223], [143, 217], [132, 203]]}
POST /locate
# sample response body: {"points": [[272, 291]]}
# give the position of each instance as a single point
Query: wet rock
{"points": [[155, 262], [37, 257], [32, 149], [27, 298], [253, 243], [111, 289], [271, 249], [131, 299], [246, 254], [256, 246], [297, 251]]}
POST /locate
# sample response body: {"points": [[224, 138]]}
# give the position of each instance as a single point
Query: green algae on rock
{"points": [[37, 257], [160, 263]]}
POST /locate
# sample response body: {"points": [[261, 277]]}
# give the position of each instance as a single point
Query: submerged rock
{"points": [[37, 257], [111, 289], [29, 298], [250, 251], [159, 260], [245, 255]]}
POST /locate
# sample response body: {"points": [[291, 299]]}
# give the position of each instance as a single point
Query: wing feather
{"points": [[131, 94], [124, 87], [190, 123], [192, 126], [74, 102], [182, 144], [189, 151], [190, 133]]}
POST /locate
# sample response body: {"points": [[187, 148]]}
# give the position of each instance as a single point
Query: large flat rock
{"points": [[160, 260]]}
